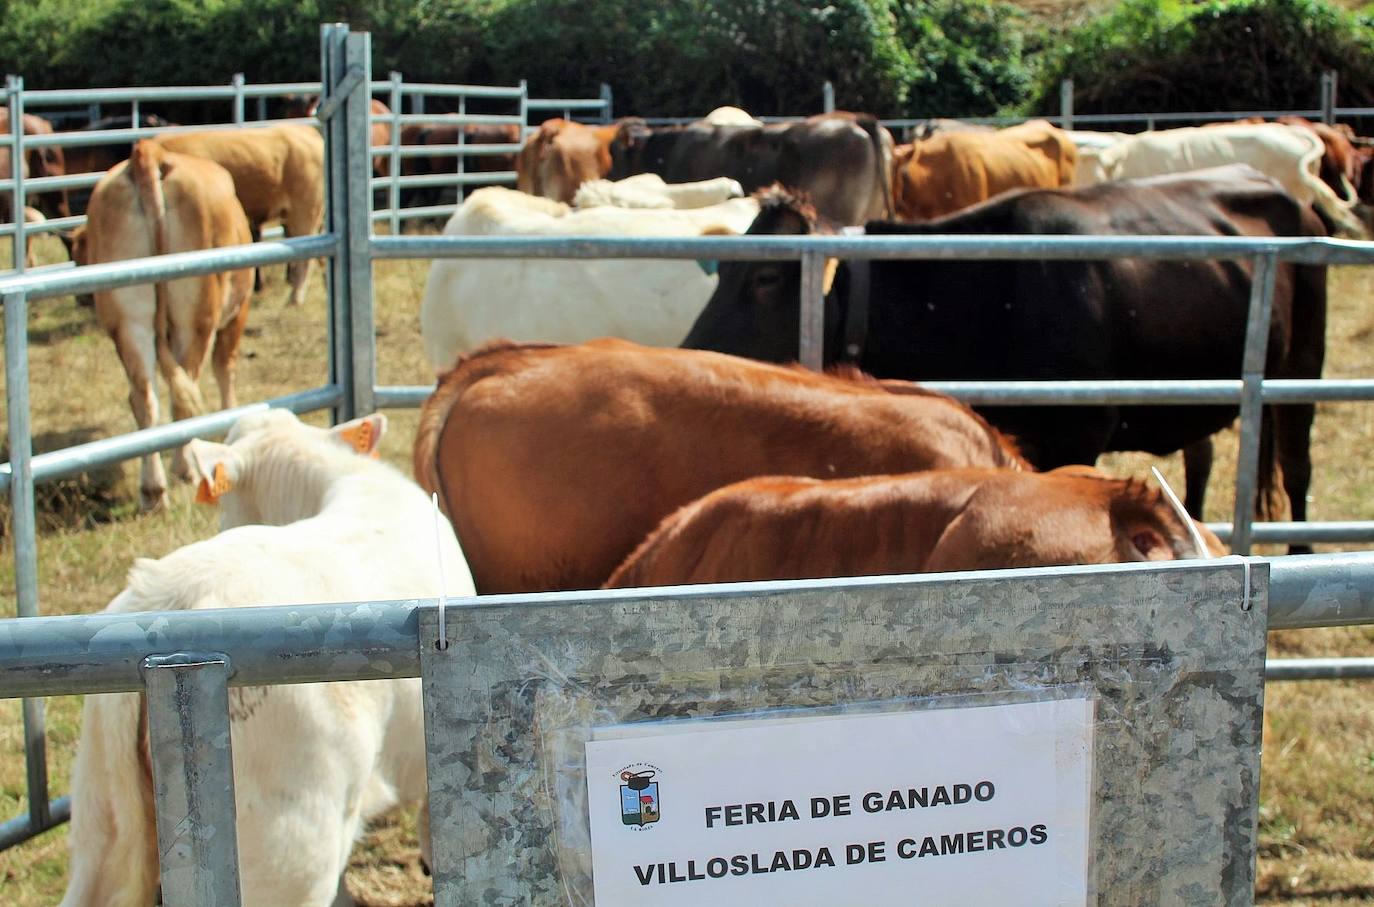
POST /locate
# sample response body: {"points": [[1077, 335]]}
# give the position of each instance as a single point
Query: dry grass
{"points": [[1317, 797]]}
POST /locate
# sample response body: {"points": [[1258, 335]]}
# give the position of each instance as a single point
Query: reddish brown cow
{"points": [[555, 461], [782, 527], [560, 155], [38, 162]]}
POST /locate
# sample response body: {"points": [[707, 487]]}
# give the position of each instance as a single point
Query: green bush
{"points": [[969, 56], [1163, 55]]}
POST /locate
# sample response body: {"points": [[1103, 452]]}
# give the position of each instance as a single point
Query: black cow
{"points": [[1057, 320], [842, 160]]}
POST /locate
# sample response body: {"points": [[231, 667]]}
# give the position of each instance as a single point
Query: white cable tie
{"points": [[1177, 505], [442, 644]]}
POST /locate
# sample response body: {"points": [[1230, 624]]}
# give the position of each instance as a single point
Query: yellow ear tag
{"points": [[211, 490], [361, 438]]}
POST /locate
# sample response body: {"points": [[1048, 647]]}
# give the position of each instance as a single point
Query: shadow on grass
{"points": [[78, 502]]}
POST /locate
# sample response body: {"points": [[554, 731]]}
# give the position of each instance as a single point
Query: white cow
{"points": [[1090, 146], [652, 302], [311, 761], [731, 116], [648, 190], [1291, 157]]}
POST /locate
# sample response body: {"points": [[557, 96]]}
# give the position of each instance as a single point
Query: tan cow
{"points": [[561, 155], [155, 203], [951, 171], [278, 173], [785, 527]]}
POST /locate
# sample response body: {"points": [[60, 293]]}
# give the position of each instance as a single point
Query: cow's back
{"points": [[276, 169], [554, 462]]}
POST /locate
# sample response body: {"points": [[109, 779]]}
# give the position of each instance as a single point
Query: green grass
{"points": [[1317, 792]]}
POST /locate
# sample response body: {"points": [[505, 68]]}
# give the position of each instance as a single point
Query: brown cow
{"points": [[555, 461], [783, 527], [447, 134], [951, 171], [99, 158], [38, 162], [300, 106], [155, 203], [560, 155], [278, 173]]}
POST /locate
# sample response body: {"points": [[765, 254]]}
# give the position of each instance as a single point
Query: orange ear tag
{"points": [[211, 490], [361, 438]]}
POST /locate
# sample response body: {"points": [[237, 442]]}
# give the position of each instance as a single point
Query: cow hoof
{"points": [[152, 499]]}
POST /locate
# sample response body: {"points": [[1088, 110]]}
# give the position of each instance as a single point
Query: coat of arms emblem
{"points": [[639, 803]]}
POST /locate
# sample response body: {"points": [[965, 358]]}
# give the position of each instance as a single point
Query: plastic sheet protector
{"points": [[1032, 737]]}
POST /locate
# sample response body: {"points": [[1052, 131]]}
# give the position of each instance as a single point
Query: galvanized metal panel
{"points": [[1172, 654]]}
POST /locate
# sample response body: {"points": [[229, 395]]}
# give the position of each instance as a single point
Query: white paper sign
{"points": [[984, 805]]}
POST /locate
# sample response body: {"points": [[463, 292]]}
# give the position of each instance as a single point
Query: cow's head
{"points": [[626, 146], [754, 311]]}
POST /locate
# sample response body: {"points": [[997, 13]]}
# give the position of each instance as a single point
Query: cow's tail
{"points": [[1269, 480], [113, 838], [1338, 214], [433, 415], [882, 151], [147, 166]]}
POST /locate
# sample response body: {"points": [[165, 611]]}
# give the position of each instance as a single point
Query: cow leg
{"points": [[134, 344], [255, 230], [190, 347], [1292, 437], [227, 341], [301, 223], [1197, 469]]}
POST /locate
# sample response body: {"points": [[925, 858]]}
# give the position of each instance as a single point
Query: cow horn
{"points": [[831, 266], [1188, 523]]}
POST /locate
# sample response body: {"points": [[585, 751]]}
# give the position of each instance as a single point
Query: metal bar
{"points": [[236, 82], [1305, 533], [1251, 402], [483, 150], [21, 828], [350, 80], [1318, 669], [828, 96], [354, 250], [607, 101], [461, 119], [1066, 103], [1126, 392], [401, 396], [458, 178], [14, 90], [394, 171], [53, 656], [24, 531], [811, 337], [454, 91], [459, 159], [167, 267], [332, 40], [565, 104], [70, 461], [1307, 250], [193, 778]]}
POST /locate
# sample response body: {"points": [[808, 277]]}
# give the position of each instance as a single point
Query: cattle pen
{"points": [[205, 653]]}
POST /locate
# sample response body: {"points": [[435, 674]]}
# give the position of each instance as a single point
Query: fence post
{"points": [[193, 778], [828, 97], [346, 64], [606, 101], [24, 531], [134, 113], [1251, 401], [1066, 104], [460, 162], [394, 189], [1328, 96], [262, 107], [811, 342], [525, 108], [237, 83], [14, 91]]}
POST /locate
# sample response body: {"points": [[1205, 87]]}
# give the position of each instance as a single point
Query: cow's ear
{"points": [[215, 468], [632, 134], [363, 435]]}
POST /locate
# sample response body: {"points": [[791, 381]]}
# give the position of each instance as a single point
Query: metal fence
{"points": [[352, 388], [63, 104]]}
